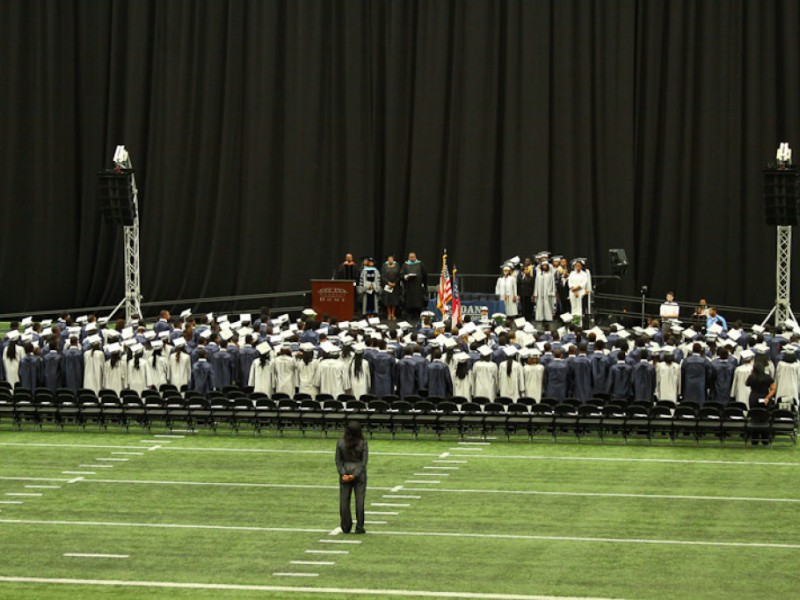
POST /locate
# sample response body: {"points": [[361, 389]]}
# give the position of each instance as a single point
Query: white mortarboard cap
{"points": [[689, 333], [715, 328], [668, 349], [307, 347], [224, 325], [485, 351], [129, 342], [222, 319], [94, 339], [127, 333], [536, 352], [676, 329], [329, 348], [205, 334], [111, 348], [102, 320], [469, 327], [284, 318], [638, 330], [112, 334], [789, 350], [500, 329], [91, 326], [520, 322], [236, 325], [82, 319], [178, 342], [381, 327], [510, 350], [275, 339], [438, 325], [47, 322], [344, 324], [245, 331], [562, 331], [286, 335], [264, 348], [226, 334], [286, 345], [529, 328], [450, 343], [293, 327], [359, 347], [478, 336], [758, 329], [27, 337], [186, 313], [137, 348], [566, 317], [74, 330], [245, 318], [157, 345], [622, 333], [761, 348], [376, 336], [210, 316], [26, 321], [150, 335], [373, 320], [28, 331], [461, 357], [651, 331], [363, 323], [309, 312], [163, 335], [747, 355]]}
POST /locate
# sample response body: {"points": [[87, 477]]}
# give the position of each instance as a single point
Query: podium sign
{"points": [[334, 297]]}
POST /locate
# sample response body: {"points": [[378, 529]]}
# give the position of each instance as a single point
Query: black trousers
{"points": [[345, 491], [527, 307]]}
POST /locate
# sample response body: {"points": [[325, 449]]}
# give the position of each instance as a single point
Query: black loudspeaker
{"points": [[116, 197], [781, 197], [618, 260]]}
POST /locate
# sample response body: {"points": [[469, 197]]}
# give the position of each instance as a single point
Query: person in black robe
{"points": [[525, 282], [348, 269], [390, 276], [415, 280]]}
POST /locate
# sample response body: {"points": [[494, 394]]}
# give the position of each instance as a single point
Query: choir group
{"points": [[489, 357]]}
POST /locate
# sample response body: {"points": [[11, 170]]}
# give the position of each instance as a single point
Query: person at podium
{"points": [[347, 269]]}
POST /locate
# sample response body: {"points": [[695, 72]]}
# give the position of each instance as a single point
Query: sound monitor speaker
{"points": [[618, 260], [116, 197], [781, 197]]}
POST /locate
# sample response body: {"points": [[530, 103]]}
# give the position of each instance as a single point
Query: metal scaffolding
{"points": [[783, 275], [133, 289]]}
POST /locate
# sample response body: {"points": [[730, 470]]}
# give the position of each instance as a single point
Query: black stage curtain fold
{"points": [[269, 138]]}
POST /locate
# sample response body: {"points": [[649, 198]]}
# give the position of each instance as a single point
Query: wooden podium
{"points": [[333, 297]]}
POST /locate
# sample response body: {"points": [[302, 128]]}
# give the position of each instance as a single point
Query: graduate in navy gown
{"points": [[384, 371], [407, 375], [557, 377], [643, 377], [695, 373], [73, 365], [722, 376], [619, 378], [30, 369], [440, 383], [53, 367], [582, 382], [222, 363], [202, 374]]}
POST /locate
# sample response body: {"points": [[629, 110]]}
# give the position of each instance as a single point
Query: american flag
{"points": [[456, 306], [445, 290]]}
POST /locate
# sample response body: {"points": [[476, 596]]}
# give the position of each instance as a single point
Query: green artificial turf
{"points": [[515, 518]]}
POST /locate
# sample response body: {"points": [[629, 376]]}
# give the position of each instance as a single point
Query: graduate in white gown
{"points": [[579, 285], [115, 372], [533, 376], [359, 381], [484, 375], [284, 369], [261, 372], [159, 367], [740, 391], [139, 376], [94, 362], [11, 358], [331, 376], [510, 379], [462, 377], [544, 292], [180, 365], [307, 371], [668, 379], [787, 377], [506, 289]]}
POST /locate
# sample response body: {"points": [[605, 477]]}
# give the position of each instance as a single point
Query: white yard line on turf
{"points": [[443, 534], [129, 453], [384, 504], [467, 449], [43, 487], [426, 489], [112, 459], [454, 462], [88, 555], [420, 454], [422, 481], [474, 443], [167, 436], [96, 466], [396, 488], [431, 474], [60, 479], [376, 522], [312, 562], [156, 441], [327, 551], [25, 494], [443, 468], [78, 472], [286, 589], [379, 512], [10, 501], [295, 574]]}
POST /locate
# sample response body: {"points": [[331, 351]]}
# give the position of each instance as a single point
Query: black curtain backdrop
{"points": [[269, 138]]}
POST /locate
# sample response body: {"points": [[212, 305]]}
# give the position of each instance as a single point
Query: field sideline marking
{"points": [[280, 574], [429, 455], [411, 489], [288, 589], [312, 562], [442, 534]]}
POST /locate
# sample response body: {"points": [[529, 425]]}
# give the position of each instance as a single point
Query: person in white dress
{"points": [[159, 367], [115, 372], [307, 371], [506, 289], [11, 359], [787, 379], [284, 371], [139, 376], [330, 377]]}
